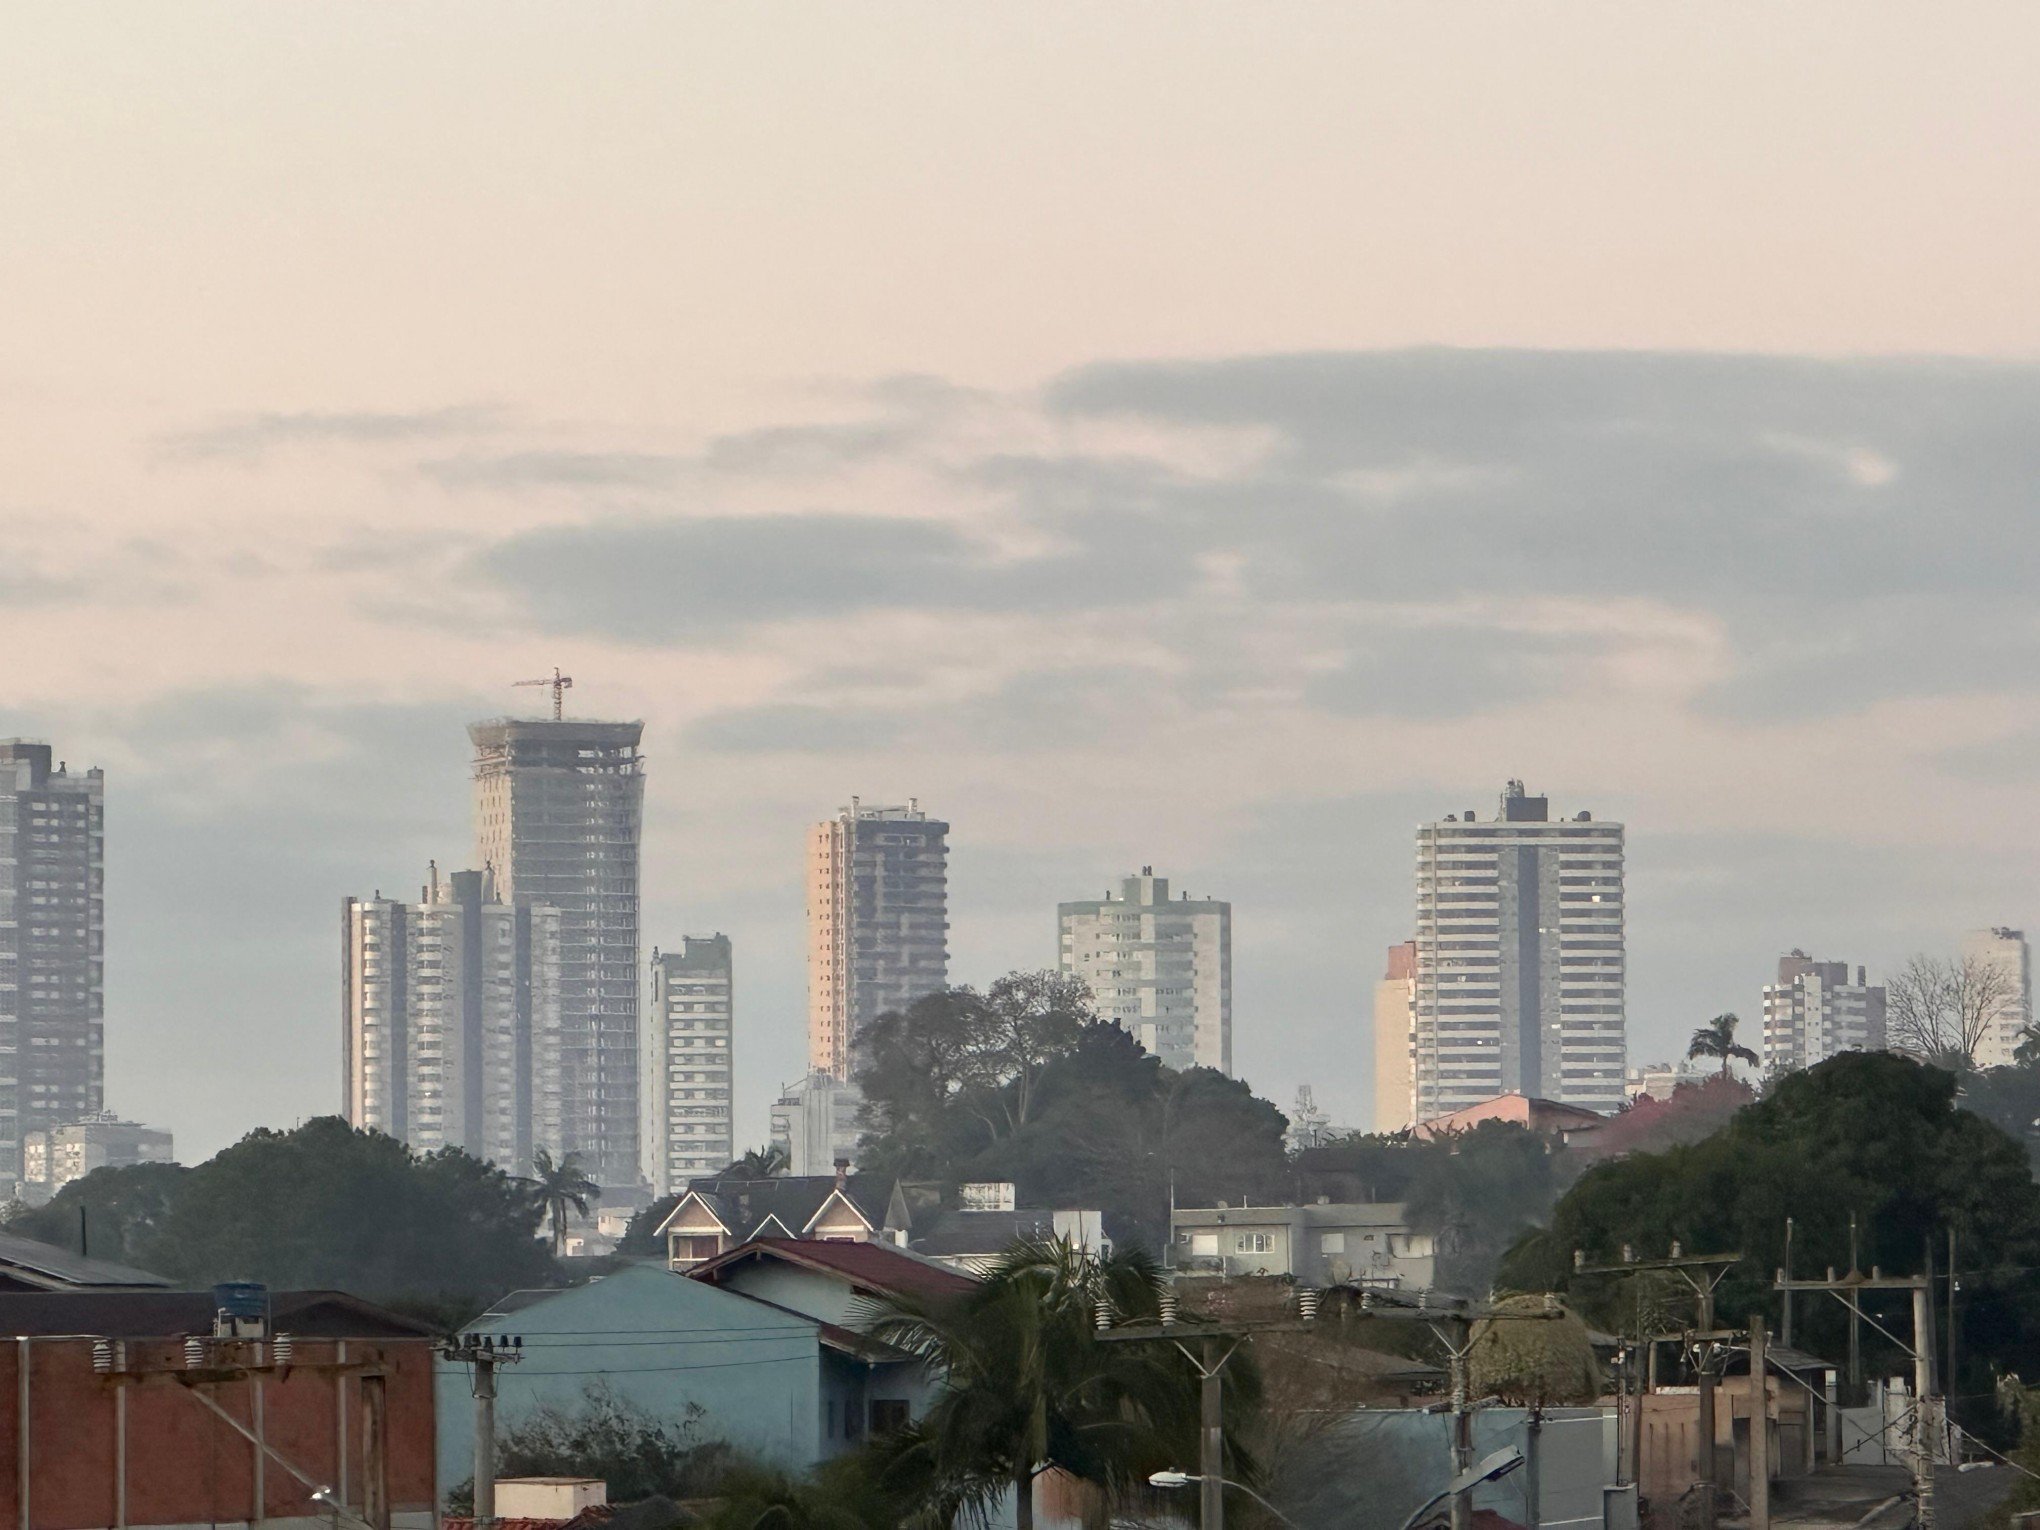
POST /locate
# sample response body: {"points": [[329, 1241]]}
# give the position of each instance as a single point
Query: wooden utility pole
{"points": [[485, 1352], [1702, 1272], [375, 1440], [1785, 1327]]}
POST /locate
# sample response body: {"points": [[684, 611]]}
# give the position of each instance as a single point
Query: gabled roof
{"points": [[179, 1314], [744, 1206], [877, 1268], [25, 1262], [961, 1233]]}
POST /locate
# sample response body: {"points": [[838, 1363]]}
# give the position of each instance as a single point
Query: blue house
{"points": [[761, 1354]]}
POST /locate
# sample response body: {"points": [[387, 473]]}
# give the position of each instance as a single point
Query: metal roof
{"points": [[45, 1265]]}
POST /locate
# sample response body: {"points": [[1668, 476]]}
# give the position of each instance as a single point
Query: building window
{"points": [[1254, 1243], [888, 1414]]}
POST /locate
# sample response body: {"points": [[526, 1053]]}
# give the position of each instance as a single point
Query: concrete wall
{"points": [[184, 1465], [679, 1349]]}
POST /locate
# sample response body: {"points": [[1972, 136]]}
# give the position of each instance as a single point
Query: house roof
{"points": [[1525, 1110], [44, 1266], [179, 1314], [743, 1206], [959, 1233], [875, 1267]]}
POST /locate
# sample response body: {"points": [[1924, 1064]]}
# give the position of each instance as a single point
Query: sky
{"points": [[1210, 436]]}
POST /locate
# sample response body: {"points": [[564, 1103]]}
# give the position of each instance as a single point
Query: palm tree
{"points": [[1028, 1387], [559, 1186], [1717, 1039], [759, 1163]]}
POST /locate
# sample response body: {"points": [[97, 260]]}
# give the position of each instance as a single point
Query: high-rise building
{"points": [[1814, 1012], [451, 1019], [1520, 959], [559, 807], [1159, 966], [689, 1064], [878, 922], [815, 1125], [52, 946], [2006, 953], [63, 1153], [1395, 1040]]}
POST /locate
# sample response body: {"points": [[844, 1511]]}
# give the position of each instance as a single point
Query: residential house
{"points": [[130, 1409], [780, 1383], [718, 1214], [975, 1240], [1325, 1244]]}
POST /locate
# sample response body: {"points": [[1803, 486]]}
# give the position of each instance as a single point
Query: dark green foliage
{"points": [[1024, 1085], [323, 1205], [561, 1187], [640, 1238], [124, 1207], [1872, 1133], [1030, 1386]]}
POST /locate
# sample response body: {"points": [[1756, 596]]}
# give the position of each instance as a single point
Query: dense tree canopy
{"points": [[1870, 1133], [324, 1205]]}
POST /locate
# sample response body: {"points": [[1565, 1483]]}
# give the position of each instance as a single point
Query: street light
{"points": [[341, 1513], [1492, 1469], [1172, 1479]]}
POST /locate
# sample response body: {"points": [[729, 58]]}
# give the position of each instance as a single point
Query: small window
{"points": [[888, 1414], [1204, 1243], [1332, 1243]]}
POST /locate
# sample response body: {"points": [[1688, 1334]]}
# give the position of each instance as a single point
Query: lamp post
{"points": [[1185, 1479]]}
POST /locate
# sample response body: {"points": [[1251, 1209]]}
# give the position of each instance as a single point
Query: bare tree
{"points": [[1943, 1011]]}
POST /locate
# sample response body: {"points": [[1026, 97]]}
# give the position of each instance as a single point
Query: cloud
{"points": [[255, 435], [556, 470]]}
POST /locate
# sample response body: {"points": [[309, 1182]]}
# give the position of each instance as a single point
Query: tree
{"points": [[1943, 1011], [1717, 1039], [1531, 1361], [562, 1186], [1027, 1386], [767, 1162], [1029, 1020], [123, 1209]]}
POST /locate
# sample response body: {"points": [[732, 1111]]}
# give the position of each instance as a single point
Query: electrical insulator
{"points": [[1675, 1248], [102, 1355], [1306, 1303], [1167, 1303], [194, 1353], [281, 1351], [1103, 1315]]}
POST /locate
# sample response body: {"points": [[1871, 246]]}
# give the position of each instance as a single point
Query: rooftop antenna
{"points": [[560, 684]]}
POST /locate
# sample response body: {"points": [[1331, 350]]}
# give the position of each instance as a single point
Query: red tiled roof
{"points": [[873, 1266]]}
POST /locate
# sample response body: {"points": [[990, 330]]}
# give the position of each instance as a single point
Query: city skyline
{"points": [[1321, 462]]}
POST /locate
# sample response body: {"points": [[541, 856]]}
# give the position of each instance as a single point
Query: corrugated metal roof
{"points": [[872, 1266], [45, 1264]]}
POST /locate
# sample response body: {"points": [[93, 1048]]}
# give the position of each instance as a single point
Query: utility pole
{"points": [[1760, 1426], [1785, 1328], [1949, 1387], [1211, 1433], [1702, 1272], [485, 1352], [1855, 1322], [1453, 1327], [1848, 1290]]}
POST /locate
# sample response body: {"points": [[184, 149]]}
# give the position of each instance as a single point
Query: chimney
{"points": [[842, 1171]]}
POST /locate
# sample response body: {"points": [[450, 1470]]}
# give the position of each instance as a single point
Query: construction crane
{"points": [[560, 684]]}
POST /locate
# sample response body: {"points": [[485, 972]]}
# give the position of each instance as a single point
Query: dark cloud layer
{"points": [[1857, 529]]}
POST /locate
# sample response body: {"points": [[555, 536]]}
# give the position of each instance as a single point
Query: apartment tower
{"points": [[1520, 961], [2005, 951], [1395, 1040], [1814, 1012], [52, 946], [689, 1064], [451, 1019], [559, 808], [878, 922], [1159, 966]]}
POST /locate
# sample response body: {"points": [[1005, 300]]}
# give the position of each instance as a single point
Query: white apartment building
{"points": [[1520, 959], [1395, 1011], [689, 1063], [1813, 1012], [1159, 966], [814, 1124], [451, 1018], [878, 922], [52, 946], [559, 809], [56, 1157], [2007, 951]]}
